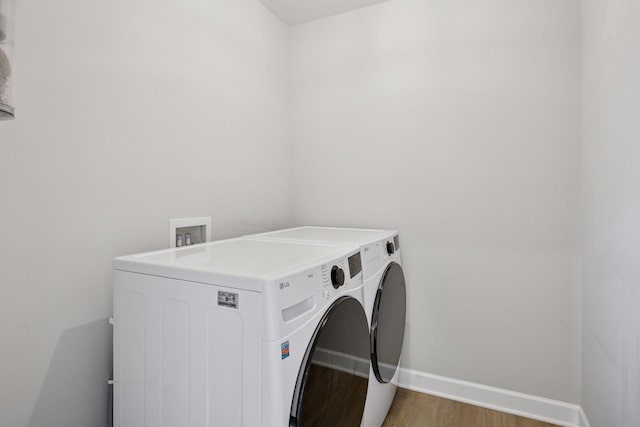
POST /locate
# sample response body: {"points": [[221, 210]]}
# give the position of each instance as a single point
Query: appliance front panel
{"points": [[331, 387]]}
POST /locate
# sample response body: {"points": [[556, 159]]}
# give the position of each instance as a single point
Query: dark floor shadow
{"points": [[75, 389]]}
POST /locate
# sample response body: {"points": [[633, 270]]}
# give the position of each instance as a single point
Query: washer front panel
{"points": [[332, 384], [388, 323]]}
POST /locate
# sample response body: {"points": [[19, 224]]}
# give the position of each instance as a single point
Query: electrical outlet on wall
{"points": [[198, 229]]}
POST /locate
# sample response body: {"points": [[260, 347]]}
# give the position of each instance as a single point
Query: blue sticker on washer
{"points": [[284, 350]]}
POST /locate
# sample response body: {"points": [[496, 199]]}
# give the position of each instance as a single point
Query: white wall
{"points": [[454, 121], [129, 113], [611, 206], [458, 123]]}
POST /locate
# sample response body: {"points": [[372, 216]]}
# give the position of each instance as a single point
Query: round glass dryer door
{"points": [[387, 323], [332, 384]]}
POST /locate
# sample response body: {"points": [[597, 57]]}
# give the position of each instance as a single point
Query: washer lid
{"points": [[242, 262]]}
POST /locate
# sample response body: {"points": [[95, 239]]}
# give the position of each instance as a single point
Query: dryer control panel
{"points": [[375, 256]]}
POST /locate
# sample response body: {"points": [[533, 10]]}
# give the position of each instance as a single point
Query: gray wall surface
{"points": [[611, 207], [129, 113], [458, 123]]}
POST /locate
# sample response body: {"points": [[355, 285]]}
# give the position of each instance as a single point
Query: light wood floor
{"points": [[411, 409]]}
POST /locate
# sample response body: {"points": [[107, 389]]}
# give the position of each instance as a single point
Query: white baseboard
{"points": [[525, 405], [584, 421]]}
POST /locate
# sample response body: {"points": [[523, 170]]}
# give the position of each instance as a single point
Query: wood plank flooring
{"points": [[333, 399], [411, 409]]}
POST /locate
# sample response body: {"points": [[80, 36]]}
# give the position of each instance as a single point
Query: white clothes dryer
{"points": [[385, 304], [241, 332]]}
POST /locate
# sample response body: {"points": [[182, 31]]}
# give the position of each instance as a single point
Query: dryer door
{"points": [[334, 375], [387, 323]]}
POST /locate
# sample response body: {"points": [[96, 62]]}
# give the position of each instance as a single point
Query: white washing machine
{"points": [[241, 332], [385, 303]]}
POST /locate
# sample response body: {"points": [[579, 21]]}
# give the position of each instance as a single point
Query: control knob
{"points": [[337, 276], [390, 248]]}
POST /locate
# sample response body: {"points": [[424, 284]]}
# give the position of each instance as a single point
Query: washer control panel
{"points": [[291, 300], [344, 273]]}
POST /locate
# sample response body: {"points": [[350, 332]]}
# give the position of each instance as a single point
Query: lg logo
{"points": [[284, 285]]}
